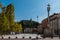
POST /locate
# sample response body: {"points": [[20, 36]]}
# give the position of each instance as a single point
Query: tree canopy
{"points": [[7, 23], [29, 24]]}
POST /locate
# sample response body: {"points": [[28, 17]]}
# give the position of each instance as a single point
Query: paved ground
{"points": [[21, 35], [55, 38], [26, 37]]}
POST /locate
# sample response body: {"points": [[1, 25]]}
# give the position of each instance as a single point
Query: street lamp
{"points": [[48, 25], [48, 10]]}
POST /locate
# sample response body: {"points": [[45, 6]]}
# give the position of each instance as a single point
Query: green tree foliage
{"points": [[29, 24], [0, 5], [7, 23], [17, 27], [10, 13], [4, 24], [1, 21]]}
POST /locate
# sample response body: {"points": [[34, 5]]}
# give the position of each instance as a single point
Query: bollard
{"points": [[36, 37], [43, 36], [23, 37], [51, 36], [16, 37], [9, 37], [59, 36], [30, 37], [2, 38]]}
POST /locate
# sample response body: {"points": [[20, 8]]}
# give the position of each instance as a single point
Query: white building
{"points": [[55, 22]]}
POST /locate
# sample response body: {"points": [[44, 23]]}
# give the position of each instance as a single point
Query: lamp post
{"points": [[48, 10], [49, 25]]}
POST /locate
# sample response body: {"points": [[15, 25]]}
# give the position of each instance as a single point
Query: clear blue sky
{"points": [[26, 9]]}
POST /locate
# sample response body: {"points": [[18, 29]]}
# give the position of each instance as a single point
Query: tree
{"points": [[29, 24], [1, 22], [4, 24], [10, 15], [7, 23], [17, 27]]}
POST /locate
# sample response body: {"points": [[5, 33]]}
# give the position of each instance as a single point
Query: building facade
{"points": [[54, 23]]}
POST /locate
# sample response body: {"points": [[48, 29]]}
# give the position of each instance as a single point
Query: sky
{"points": [[27, 9]]}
